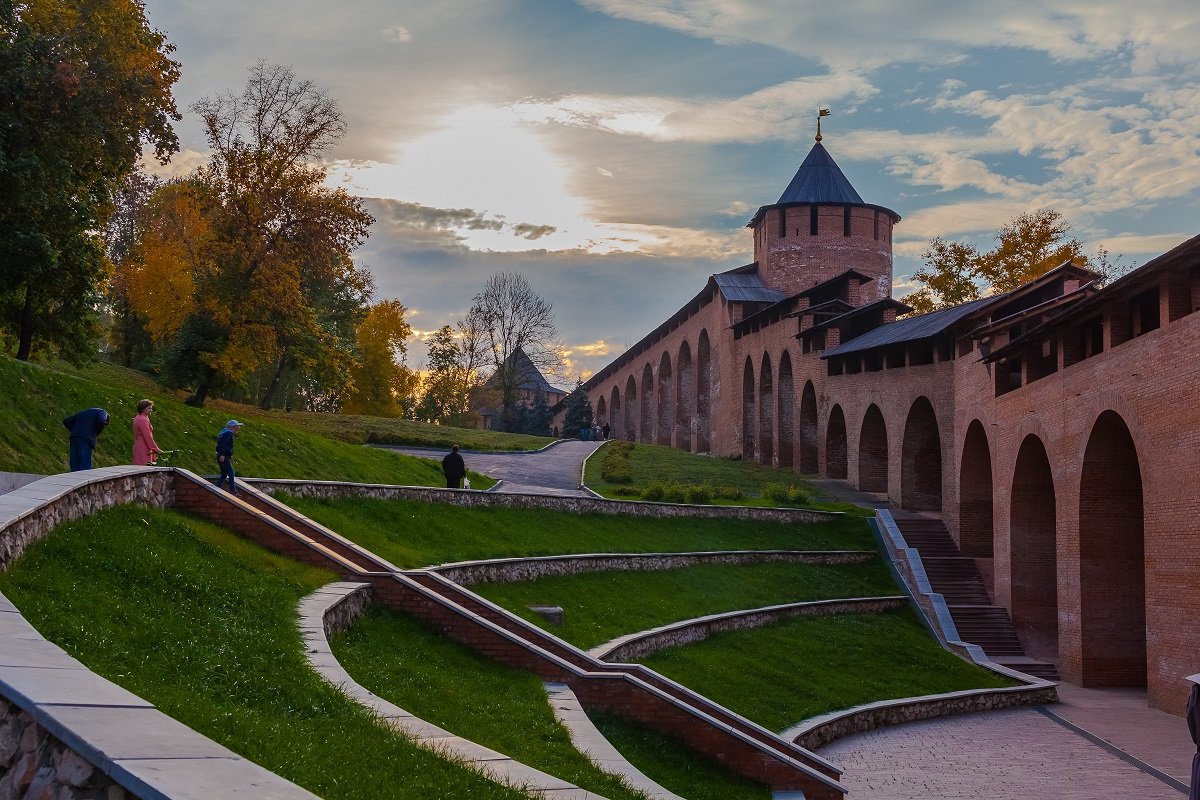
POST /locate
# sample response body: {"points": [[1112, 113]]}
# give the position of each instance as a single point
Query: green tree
{"points": [[578, 411], [1026, 247], [250, 257], [448, 382], [83, 84]]}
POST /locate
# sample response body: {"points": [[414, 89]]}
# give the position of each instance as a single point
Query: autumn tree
{"points": [[508, 318], [449, 379], [381, 382], [277, 290], [1027, 247], [83, 84]]}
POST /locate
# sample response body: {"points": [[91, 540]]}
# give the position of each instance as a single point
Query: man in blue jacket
{"points": [[225, 454], [84, 426]]}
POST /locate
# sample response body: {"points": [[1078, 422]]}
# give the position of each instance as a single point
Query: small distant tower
{"points": [[820, 228]]}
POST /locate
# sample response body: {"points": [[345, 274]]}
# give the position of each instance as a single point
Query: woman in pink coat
{"points": [[145, 449]]}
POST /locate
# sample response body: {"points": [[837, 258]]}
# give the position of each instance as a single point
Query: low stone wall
{"points": [[31, 512], [636, 645], [35, 764], [513, 570], [575, 505], [823, 730]]}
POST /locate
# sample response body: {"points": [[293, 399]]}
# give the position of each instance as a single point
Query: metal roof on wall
{"points": [[910, 329], [746, 287]]}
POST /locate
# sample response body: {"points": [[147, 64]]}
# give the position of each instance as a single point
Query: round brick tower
{"points": [[820, 228]]}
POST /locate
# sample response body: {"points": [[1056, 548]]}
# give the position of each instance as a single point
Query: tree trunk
{"points": [[25, 344], [201, 394], [266, 401]]}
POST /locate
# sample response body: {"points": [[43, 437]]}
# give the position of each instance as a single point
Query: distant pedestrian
{"points": [[1193, 721], [605, 430], [225, 454], [584, 433], [554, 432], [145, 449], [85, 426], [454, 467], [595, 433]]}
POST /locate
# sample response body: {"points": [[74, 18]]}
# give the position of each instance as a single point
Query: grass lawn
{"points": [[352, 428], [649, 463], [673, 765], [203, 625], [413, 534], [601, 606], [415, 667], [783, 674], [35, 398]]}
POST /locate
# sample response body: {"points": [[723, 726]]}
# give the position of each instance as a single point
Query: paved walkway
{"points": [[555, 470]]}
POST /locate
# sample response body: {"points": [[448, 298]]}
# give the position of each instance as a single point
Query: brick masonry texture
{"points": [[1077, 491]]}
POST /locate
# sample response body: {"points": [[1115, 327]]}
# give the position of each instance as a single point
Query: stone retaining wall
{"points": [[576, 505], [31, 512], [35, 764], [513, 570], [636, 645]]}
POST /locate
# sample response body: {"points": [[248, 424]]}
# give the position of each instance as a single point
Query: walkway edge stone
{"points": [[591, 742], [336, 607]]}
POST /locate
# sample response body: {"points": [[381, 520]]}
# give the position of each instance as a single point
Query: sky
{"points": [[612, 151]]}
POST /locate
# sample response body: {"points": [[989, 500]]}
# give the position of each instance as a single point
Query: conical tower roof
{"points": [[820, 180]]}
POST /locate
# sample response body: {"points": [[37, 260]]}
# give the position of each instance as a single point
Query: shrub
{"points": [[674, 492], [698, 494], [778, 493], [614, 468], [729, 493], [653, 491]]}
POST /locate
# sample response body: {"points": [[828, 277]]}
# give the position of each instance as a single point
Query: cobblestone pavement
{"points": [[1000, 755], [554, 470]]}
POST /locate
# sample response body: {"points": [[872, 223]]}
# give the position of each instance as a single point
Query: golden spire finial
{"points": [[821, 112]]}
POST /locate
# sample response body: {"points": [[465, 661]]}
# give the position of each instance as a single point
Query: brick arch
{"points": [[749, 423], [836, 447], [646, 407], [631, 399], [873, 452], [703, 393], [614, 413], [921, 459], [808, 428], [666, 400], [786, 415], [601, 411], [766, 412], [1112, 558], [976, 528], [1033, 550], [685, 397]]}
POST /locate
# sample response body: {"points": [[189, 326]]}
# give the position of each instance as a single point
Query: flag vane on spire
{"points": [[821, 112]]}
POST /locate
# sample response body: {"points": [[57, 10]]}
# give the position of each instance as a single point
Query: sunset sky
{"points": [[613, 150]]}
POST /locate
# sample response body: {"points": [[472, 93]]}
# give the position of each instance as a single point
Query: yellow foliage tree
{"points": [[381, 382]]}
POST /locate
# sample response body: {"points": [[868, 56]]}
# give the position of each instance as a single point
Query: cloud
{"points": [[398, 34], [532, 232]]}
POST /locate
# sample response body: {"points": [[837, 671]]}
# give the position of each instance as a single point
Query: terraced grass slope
{"points": [[412, 534], [203, 625], [35, 398]]}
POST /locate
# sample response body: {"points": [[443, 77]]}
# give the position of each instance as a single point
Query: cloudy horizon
{"points": [[613, 150]]}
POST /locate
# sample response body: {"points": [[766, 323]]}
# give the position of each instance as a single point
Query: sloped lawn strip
{"points": [[413, 534], [406, 662], [785, 673], [203, 625]]}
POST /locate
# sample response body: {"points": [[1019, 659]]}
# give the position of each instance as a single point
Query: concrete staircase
{"points": [[957, 579]]}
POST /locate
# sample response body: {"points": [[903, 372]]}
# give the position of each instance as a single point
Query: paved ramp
{"points": [[554, 470]]}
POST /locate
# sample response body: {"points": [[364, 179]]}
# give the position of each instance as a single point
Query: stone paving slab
{"points": [[30, 686], [196, 779], [27, 649], [15, 480], [999, 755], [122, 733]]}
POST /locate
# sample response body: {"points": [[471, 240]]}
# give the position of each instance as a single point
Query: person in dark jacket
{"points": [[454, 468], [84, 426], [225, 454], [1193, 721]]}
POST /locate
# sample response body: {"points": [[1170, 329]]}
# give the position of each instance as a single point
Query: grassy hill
{"points": [[34, 398]]}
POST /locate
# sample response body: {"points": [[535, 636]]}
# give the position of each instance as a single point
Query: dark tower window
{"points": [[877, 226], [846, 221], [782, 222], [812, 220]]}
